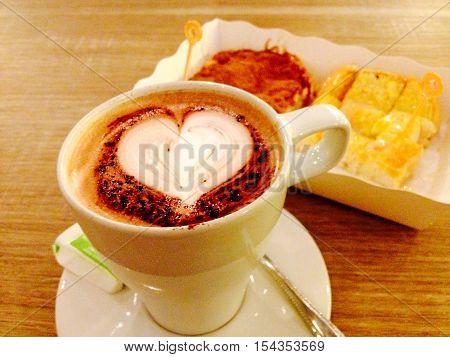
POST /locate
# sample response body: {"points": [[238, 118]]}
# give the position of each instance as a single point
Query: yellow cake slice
{"points": [[361, 116], [378, 89], [414, 101], [391, 162], [398, 123], [356, 153], [392, 120], [337, 84], [385, 161]]}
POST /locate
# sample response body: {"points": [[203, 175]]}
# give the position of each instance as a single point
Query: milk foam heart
{"points": [[185, 162]]}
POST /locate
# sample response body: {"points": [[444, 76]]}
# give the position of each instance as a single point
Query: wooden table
{"points": [[386, 279]]}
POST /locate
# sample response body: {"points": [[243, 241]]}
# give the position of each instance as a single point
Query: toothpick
{"points": [[432, 85], [193, 33], [432, 88]]}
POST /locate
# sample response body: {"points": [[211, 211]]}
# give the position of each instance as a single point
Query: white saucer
{"points": [[85, 310]]}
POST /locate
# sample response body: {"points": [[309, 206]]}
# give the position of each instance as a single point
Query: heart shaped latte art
{"points": [[185, 162]]}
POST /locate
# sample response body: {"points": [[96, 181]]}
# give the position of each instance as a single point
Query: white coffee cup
{"points": [[193, 280]]}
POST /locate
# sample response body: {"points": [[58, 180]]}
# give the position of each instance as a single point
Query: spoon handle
{"points": [[318, 324]]}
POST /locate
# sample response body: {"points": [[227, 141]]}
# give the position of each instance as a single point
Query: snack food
{"points": [[425, 197], [280, 79], [392, 117]]}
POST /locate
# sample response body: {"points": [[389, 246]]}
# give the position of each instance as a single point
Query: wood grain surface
{"points": [[386, 279]]}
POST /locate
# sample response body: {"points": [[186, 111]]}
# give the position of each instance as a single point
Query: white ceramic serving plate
{"points": [[428, 192], [83, 309]]}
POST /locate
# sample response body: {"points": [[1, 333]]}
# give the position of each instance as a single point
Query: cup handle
{"points": [[327, 153]]}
